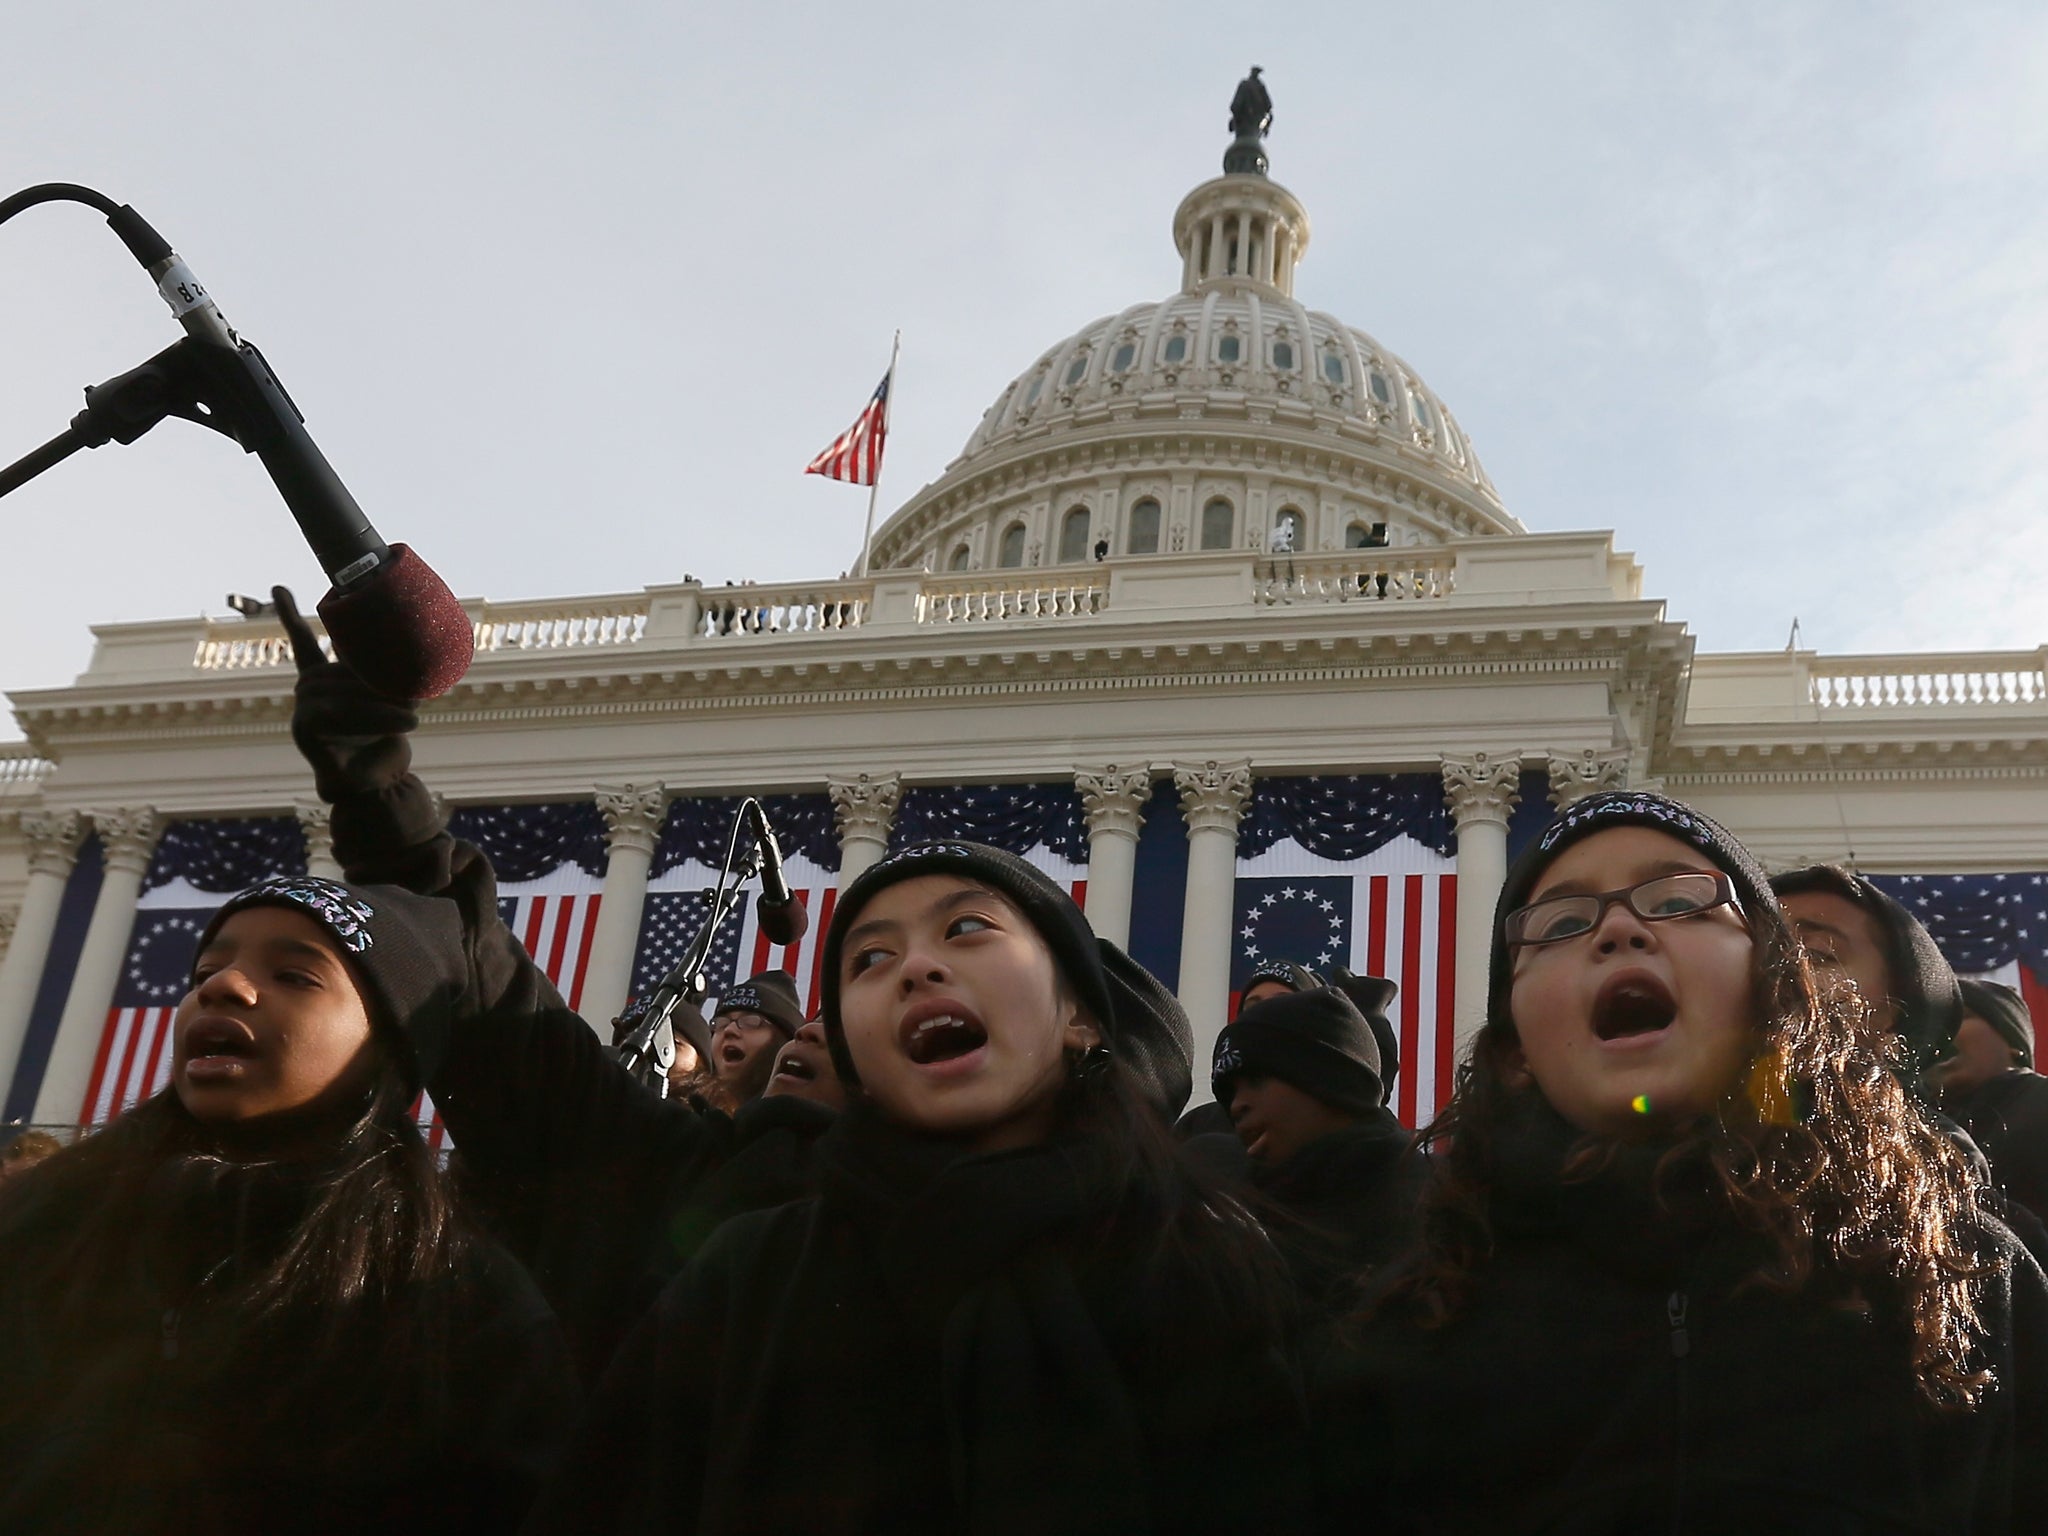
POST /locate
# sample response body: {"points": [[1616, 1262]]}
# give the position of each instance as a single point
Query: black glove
{"points": [[355, 738]]}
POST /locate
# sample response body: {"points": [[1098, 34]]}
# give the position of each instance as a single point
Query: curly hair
{"points": [[1821, 1154]]}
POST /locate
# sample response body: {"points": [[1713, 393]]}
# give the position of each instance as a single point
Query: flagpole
{"points": [[867, 538]]}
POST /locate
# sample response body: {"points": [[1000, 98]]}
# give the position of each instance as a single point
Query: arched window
{"points": [[1333, 367], [1226, 349], [1357, 536], [1219, 521], [1283, 356], [1289, 532], [1176, 349], [957, 561], [1012, 548], [1074, 535], [1143, 538]]}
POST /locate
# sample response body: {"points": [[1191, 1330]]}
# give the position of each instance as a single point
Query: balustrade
{"points": [[20, 767], [1353, 576], [992, 597], [740, 613], [1991, 679]]}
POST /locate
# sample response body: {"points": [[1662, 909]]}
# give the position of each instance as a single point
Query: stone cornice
{"points": [[1307, 646]]}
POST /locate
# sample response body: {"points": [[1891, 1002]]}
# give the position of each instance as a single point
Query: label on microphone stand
{"points": [[181, 290]]}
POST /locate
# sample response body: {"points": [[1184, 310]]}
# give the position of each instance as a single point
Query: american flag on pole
{"points": [[856, 454]]}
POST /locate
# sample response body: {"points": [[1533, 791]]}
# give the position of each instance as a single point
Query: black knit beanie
{"points": [[684, 1022], [2006, 1012], [1624, 808], [405, 952], [1295, 978], [1927, 1002], [1373, 996], [772, 994], [1316, 1041], [1141, 1022]]}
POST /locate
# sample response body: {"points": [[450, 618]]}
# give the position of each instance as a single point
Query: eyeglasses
{"points": [[1654, 901]]}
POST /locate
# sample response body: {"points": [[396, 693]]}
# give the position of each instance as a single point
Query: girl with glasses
{"points": [[1690, 1258]]}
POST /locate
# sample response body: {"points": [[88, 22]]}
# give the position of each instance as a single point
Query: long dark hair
{"points": [[1793, 1157], [366, 1221]]}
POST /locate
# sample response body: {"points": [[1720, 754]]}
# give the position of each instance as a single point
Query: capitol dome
{"points": [[1225, 416]]}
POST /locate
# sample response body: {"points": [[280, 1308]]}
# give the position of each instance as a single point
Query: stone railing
{"points": [[754, 612], [1531, 569], [21, 770], [1354, 576], [559, 626], [994, 596], [1993, 679]]}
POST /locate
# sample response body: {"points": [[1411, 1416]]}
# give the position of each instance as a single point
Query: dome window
{"points": [[1124, 356], [959, 558], [1333, 367], [1176, 349], [1423, 416], [1031, 395], [1227, 349], [1283, 356], [1143, 535], [1219, 521], [1011, 553], [1080, 366], [1074, 536]]}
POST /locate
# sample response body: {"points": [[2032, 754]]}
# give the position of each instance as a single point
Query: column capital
{"points": [[633, 814], [1213, 795], [316, 821], [1573, 776], [864, 806], [1482, 787], [1114, 798], [128, 834], [53, 840]]}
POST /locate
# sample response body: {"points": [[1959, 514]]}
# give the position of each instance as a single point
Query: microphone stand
{"points": [[650, 1050]]}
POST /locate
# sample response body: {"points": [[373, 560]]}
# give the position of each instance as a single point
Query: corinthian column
{"points": [[1480, 790], [315, 825], [633, 815], [53, 838], [1213, 798], [127, 838], [865, 808], [1114, 800], [1573, 777]]}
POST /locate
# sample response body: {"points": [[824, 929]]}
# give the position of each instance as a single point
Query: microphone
{"points": [[783, 918], [392, 620]]}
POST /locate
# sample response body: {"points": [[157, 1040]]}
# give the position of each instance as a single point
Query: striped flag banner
{"points": [[1392, 914], [855, 455]]}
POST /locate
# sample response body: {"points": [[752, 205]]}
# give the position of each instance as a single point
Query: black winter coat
{"points": [[581, 1170], [145, 1400], [2008, 1118], [1615, 1370], [941, 1344], [1343, 1205]]}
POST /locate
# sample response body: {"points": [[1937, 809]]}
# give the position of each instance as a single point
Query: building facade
{"points": [[1216, 617]]}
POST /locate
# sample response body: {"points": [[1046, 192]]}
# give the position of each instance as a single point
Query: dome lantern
{"points": [[1242, 231]]}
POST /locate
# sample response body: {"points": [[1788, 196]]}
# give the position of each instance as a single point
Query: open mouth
{"points": [[1632, 1006], [733, 1055], [794, 1066], [942, 1037], [217, 1047]]}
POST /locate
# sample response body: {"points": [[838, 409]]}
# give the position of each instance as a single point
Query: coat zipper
{"points": [[1676, 1306]]}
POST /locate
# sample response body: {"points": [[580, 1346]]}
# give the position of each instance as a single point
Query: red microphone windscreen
{"points": [[401, 631]]}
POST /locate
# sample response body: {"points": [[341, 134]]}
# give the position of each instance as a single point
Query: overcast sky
{"points": [[570, 294]]}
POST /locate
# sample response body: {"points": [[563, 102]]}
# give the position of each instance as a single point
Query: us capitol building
{"points": [[1316, 689]]}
